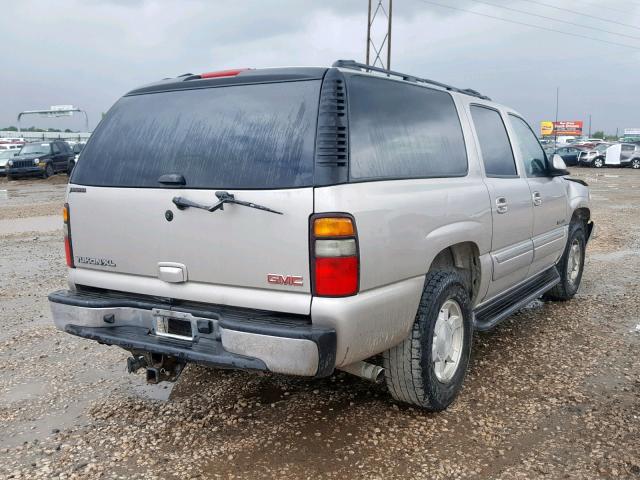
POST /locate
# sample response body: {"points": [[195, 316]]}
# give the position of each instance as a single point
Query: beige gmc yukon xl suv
{"points": [[302, 220]]}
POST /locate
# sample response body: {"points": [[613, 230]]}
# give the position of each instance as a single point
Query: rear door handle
{"points": [[537, 199], [501, 205]]}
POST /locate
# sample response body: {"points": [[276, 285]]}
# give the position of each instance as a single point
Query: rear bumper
{"points": [[222, 337]]}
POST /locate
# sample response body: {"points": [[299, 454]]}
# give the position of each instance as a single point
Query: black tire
{"points": [[567, 288], [70, 167], [635, 163], [48, 171], [409, 370], [598, 162]]}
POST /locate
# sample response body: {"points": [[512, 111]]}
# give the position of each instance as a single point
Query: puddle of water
{"points": [[4, 195], [48, 223]]}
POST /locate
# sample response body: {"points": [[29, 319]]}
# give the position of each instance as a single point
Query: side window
{"points": [[495, 148], [399, 130], [533, 157], [55, 148]]}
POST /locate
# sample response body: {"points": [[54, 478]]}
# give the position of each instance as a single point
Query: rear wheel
{"points": [[598, 162], [427, 369], [571, 265], [635, 163]]}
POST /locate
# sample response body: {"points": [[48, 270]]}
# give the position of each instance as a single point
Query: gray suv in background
{"points": [[302, 220]]}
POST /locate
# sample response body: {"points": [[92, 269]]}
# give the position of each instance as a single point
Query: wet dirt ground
{"points": [[553, 392]]}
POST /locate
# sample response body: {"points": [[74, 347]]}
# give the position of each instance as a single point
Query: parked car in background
{"points": [[593, 157], [616, 155], [568, 154], [353, 220], [18, 140], [5, 156], [10, 146], [629, 155], [76, 149], [40, 159]]}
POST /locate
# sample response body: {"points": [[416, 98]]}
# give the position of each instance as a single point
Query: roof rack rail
{"points": [[353, 65]]}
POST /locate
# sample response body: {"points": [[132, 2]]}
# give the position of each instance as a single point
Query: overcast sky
{"points": [[90, 52]]}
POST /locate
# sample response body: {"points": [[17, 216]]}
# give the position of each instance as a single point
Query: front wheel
{"points": [[571, 265], [635, 163], [48, 171], [427, 369], [598, 162]]}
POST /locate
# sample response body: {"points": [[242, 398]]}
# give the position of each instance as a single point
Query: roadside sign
{"points": [[563, 128], [64, 110]]}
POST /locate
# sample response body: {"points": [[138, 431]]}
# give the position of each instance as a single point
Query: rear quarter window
{"points": [[400, 130]]}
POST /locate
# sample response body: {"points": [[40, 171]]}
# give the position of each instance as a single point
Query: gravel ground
{"points": [[553, 392]]}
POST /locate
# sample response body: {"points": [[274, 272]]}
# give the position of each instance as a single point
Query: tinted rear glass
{"points": [[400, 130], [243, 136]]}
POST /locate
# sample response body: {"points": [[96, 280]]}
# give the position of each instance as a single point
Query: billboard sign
{"points": [[564, 128], [61, 110], [632, 132]]}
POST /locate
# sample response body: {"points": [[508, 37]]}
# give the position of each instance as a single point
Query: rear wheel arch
{"points": [[464, 258]]}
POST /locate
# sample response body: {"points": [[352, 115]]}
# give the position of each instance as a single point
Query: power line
{"points": [[608, 7], [557, 20], [531, 25], [580, 13]]}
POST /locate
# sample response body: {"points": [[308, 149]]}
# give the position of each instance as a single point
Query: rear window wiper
{"points": [[223, 197]]}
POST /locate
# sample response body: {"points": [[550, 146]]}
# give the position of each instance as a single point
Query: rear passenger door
{"points": [[626, 153], [511, 247], [548, 198]]}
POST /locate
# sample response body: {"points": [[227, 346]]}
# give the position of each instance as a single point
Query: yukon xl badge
{"points": [[101, 262], [287, 280]]}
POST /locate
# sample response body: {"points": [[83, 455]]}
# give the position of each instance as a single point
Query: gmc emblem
{"points": [[288, 280]]}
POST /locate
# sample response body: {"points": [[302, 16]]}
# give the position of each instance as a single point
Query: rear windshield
{"points": [[243, 136]]}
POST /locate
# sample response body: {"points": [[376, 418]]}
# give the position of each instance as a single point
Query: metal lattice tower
{"points": [[383, 14]]}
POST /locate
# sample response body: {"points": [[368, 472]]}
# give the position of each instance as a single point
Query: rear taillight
{"points": [[68, 250], [334, 255]]}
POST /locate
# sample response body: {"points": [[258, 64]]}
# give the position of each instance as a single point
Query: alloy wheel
{"points": [[448, 339]]}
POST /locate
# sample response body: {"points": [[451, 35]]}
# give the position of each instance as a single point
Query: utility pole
{"points": [[382, 10], [589, 125], [555, 124]]}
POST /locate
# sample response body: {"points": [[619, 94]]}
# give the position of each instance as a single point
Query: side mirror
{"points": [[558, 167], [558, 163]]}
